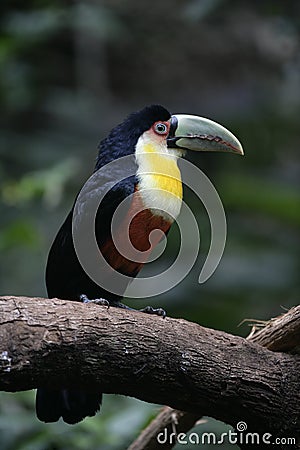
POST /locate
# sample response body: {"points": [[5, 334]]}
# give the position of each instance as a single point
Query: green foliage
{"points": [[47, 185], [265, 197], [20, 234]]}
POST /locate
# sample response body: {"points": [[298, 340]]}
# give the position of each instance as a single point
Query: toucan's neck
{"points": [[159, 179]]}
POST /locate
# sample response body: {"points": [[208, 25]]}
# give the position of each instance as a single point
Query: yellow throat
{"points": [[159, 178]]}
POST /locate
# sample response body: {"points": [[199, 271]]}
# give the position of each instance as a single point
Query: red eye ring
{"points": [[161, 128]]}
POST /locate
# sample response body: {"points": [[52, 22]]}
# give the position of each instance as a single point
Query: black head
{"points": [[122, 139]]}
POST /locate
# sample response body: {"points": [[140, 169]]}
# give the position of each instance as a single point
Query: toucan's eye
{"points": [[160, 128]]}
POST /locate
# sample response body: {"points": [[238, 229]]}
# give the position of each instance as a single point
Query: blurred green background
{"points": [[69, 72]]}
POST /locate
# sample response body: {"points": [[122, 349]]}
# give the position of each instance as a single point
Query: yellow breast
{"points": [[163, 170]]}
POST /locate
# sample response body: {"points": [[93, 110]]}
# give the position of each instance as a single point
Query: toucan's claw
{"points": [[156, 311], [97, 301]]}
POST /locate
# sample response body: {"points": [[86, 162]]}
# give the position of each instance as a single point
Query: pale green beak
{"points": [[202, 135]]}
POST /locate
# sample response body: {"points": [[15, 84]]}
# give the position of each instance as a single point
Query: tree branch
{"points": [[166, 361], [173, 421], [279, 334]]}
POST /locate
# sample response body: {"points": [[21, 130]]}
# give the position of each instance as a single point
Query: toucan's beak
{"points": [[203, 135]]}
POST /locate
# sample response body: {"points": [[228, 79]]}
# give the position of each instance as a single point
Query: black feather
{"points": [[72, 405]]}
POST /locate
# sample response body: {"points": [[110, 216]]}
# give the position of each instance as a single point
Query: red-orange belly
{"points": [[140, 228]]}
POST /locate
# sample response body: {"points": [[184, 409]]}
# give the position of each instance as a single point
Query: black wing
{"points": [[65, 277]]}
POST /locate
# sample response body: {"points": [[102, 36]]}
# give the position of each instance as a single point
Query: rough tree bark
{"points": [[279, 334], [166, 361]]}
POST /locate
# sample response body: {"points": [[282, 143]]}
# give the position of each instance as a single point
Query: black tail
{"points": [[72, 405]]}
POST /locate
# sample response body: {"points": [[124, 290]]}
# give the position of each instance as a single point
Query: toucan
{"points": [[155, 140]]}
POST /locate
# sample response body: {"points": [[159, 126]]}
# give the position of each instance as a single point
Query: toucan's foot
{"points": [[148, 310], [98, 301], [103, 302], [156, 311]]}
